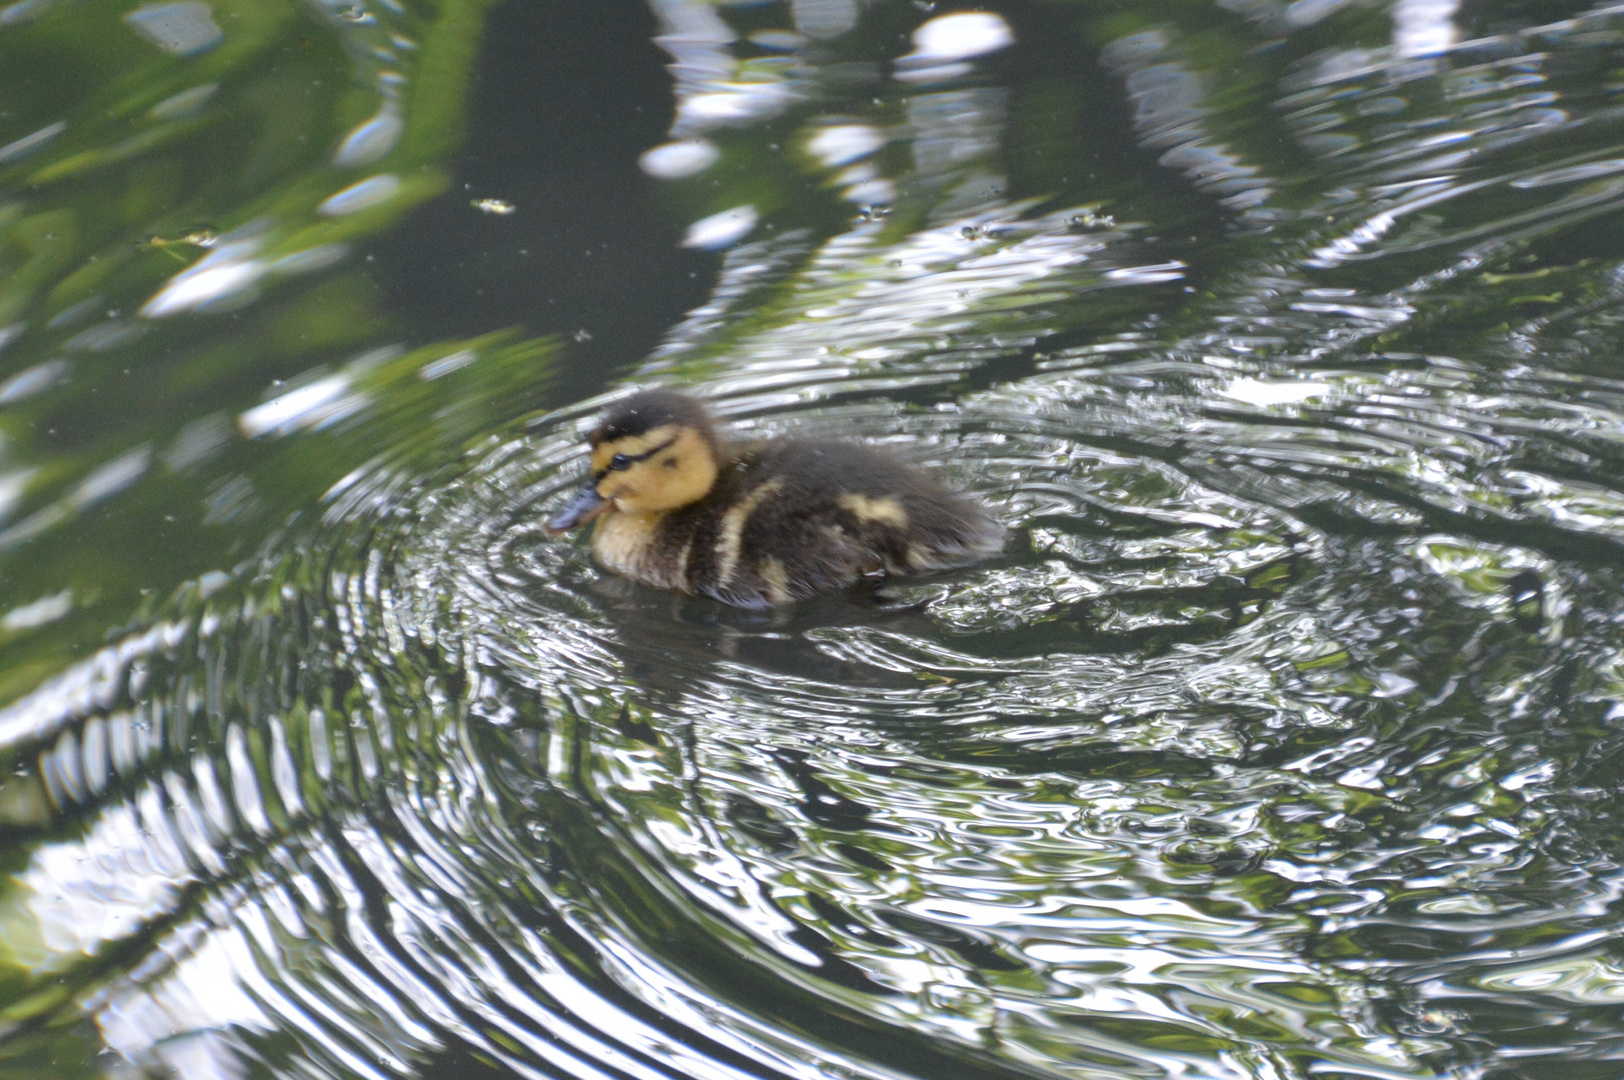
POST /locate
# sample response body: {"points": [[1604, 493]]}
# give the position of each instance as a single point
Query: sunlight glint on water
{"points": [[1281, 740]]}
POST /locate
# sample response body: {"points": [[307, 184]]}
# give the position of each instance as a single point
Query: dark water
{"points": [[1283, 740]]}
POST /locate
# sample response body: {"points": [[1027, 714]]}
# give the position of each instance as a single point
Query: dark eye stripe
{"points": [[628, 460]]}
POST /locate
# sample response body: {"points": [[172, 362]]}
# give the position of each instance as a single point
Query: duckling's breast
{"points": [[644, 548]]}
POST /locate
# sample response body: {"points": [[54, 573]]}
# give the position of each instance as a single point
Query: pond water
{"points": [[1283, 740]]}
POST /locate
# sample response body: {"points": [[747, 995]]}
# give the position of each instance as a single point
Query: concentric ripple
{"points": [[1281, 740], [1179, 785]]}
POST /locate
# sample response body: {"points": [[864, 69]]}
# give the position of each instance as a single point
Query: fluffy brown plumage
{"points": [[752, 525]]}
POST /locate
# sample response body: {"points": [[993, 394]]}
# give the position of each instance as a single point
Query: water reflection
{"points": [[1280, 741]]}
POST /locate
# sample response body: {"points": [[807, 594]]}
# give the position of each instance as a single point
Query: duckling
{"points": [[677, 507]]}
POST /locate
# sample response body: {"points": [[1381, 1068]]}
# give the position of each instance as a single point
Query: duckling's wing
{"points": [[949, 530], [841, 511], [901, 513]]}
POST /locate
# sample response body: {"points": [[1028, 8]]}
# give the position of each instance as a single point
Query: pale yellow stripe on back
{"points": [[727, 548], [777, 578], [682, 562], [884, 509]]}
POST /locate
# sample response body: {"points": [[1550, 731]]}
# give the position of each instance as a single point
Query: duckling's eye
{"points": [[619, 463]]}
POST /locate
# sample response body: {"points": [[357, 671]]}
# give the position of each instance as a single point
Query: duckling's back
{"points": [[790, 519]]}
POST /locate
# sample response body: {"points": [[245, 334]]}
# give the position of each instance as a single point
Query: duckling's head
{"points": [[652, 452]]}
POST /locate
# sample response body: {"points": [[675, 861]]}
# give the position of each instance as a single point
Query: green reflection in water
{"points": [[1279, 743], [234, 161]]}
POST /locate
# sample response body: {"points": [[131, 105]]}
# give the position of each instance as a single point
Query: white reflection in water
{"points": [[714, 89], [1570, 174], [721, 230], [26, 145], [959, 36], [1424, 27], [373, 138], [675, 160], [1263, 393], [104, 336], [309, 407], [447, 364], [361, 195], [731, 103], [176, 1018], [47, 609], [942, 45], [779, 40], [1301, 13], [842, 144], [227, 271], [838, 145], [198, 441], [866, 189], [697, 38], [317, 404], [24, 11], [102, 888], [184, 28], [824, 18], [186, 103], [111, 478], [30, 381]]}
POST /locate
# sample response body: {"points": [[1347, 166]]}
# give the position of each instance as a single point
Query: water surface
{"points": [[1281, 741]]}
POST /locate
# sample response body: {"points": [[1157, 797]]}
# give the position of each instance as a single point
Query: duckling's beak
{"points": [[586, 505]]}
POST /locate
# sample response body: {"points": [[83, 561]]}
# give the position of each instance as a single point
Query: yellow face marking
{"points": [[772, 572], [664, 468], [884, 509], [727, 548]]}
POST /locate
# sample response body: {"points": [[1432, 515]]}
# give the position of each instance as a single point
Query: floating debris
{"points": [[1091, 220], [201, 237]]}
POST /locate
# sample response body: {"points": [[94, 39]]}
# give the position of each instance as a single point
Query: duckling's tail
{"points": [[962, 543]]}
